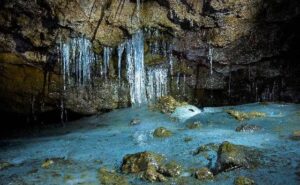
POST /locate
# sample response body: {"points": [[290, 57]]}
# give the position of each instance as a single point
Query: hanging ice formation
{"points": [[120, 53], [210, 57], [144, 86], [77, 58], [135, 68], [157, 83], [106, 60], [79, 61]]}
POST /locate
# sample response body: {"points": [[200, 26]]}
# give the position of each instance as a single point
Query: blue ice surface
{"points": [[103, 141]]}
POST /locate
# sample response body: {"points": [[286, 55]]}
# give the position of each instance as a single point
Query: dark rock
{"points": [[135, 121], [248, 128], [231, 156]]}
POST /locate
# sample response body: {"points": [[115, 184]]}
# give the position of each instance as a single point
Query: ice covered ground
{"points": [[83, 146]]}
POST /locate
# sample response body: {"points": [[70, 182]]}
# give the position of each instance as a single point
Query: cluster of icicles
{"points": [[80, 65]]}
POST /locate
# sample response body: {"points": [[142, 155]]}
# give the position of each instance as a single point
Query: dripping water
{"points": [[210, 57], [106, 61]]}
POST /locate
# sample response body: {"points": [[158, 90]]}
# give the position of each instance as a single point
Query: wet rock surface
{"points": [[31, 32], [241, 116], [231, 156], [204, 174], [248, 128], [111, 178], [162, 132], [151, 166]]}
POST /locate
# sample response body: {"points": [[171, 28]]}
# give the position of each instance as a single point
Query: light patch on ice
{"points": [[185, 112]]}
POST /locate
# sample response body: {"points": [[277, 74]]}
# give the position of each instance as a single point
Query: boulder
{"points": [[231, 156], [243, 181], [203, 174]]}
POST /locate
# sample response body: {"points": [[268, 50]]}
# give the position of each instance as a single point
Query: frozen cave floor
{"points": [[84, 146]]}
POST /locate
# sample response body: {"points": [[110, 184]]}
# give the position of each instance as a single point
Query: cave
{"points": [[119, 92]]}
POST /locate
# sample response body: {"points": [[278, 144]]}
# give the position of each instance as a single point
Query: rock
{"points": [[167, 104], [150, 166], [248, 128], [111, 178], [61, 162], [203, 174], [140, 162], [243, 181], [171, 169], [5, 165], [152, 175], [135, 121], [47, 163], [231, 156], [162, 132], [194, 125], [240, 116], [296, 135], [187, 139], [206, 148]]}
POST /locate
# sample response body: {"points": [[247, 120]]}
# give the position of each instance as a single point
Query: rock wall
{"points": [[222, 52]]}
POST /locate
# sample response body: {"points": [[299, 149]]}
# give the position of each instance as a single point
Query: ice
{"points": [[103, 140]]}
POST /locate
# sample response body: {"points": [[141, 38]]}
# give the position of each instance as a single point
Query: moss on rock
{"points": [[111, 178], [243, 181], [162, 132], [167, 104], [240, 116]]}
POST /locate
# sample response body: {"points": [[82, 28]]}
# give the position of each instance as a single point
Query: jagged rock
{"points": [[245, 115], [140, 162], [203, 174], [151, 166], [171, 169], [111, 178], [248, 128], [231, 156], [229, 27], [243, 181]]}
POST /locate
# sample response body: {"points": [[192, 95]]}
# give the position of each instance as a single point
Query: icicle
{"points": [[135, 68], [178, 80], [77, 58], [157, 83], [184, 80], [171, 63], [120, 52], [106, 60], [229, 84], [210, 56]]}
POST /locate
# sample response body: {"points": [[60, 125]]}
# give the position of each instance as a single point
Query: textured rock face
{"points": [[223, 52]]}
